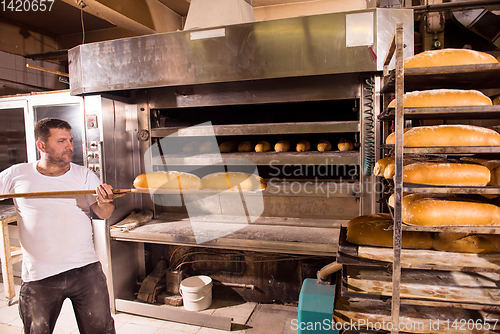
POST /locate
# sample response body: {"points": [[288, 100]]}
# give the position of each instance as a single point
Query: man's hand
{"points": [[104, 206], [105, 194]]}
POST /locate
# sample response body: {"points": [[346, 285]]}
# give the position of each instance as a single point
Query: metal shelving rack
{"points": [[477, 76]]}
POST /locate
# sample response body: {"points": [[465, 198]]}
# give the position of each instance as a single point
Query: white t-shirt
{"points": [[55, 233]]}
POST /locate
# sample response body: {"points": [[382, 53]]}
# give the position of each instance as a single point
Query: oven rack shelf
{"points": [[472, 112], [260, 129], [370, 256], [268, 234], [267, 158], [458, 77]]}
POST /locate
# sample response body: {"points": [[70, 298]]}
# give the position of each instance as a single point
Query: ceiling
{"points": [[65, 16]]}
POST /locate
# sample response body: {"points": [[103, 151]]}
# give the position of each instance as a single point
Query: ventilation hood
{"points": [[345, 42], [208, 13]]}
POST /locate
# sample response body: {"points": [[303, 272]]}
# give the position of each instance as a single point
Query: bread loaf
{"points": [[496, 101], [467, 243], [449, 174], [390, 169], [209, 146], [302, 146], [375, 230], [443, 212], [448, 135], [448, 57], [408, 198], [263, 146], [345, 145], [443, 98], [323, 145], [233, 181], [167, 180], [227, 147], [380, 165], [245, 146], [282, 146]]}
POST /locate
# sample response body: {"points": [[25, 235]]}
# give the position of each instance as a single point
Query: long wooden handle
{"points": [[63, 193]]}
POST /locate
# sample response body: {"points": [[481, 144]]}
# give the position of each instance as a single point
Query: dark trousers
{"points": [[40, 302]]}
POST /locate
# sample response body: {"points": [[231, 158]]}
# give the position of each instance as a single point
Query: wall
{"points": [[16, 78]]}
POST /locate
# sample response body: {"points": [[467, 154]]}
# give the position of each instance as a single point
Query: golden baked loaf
{"points": [[496, 100], [302, 146], [447, 135], [323, 145], [446, 174], [167, 180], [227, 147], [390, 169], [233, 181], [282, 146], [443, 98], [444, 210], [467, 243], [263, 146], [380, 165], [345, 145], [448, 57], [245, 146], [375, 230]]}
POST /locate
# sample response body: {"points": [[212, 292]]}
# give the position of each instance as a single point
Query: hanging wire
{"points": [[83, 25]]}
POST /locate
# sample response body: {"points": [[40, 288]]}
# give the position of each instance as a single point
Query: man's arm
{"points": [[104, 206]]}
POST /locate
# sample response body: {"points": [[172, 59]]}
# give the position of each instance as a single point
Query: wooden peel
{"points": [[70, 193]]}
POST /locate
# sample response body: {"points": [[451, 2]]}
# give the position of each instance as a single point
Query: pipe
{"points": [[453, 5], [326, 271], [236, 285], [47, 70]]}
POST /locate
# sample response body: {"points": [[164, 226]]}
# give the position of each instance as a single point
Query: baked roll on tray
{"points": [[443, 98], [447, 135], [445, 210], [175, 180], [449, 57], [376, 230], [447, 174]]}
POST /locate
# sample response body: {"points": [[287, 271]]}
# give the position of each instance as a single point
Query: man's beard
{"points": [[60, 160]]}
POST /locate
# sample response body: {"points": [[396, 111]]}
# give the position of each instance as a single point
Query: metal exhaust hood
{"points": [[208, 13], [345, 42]]}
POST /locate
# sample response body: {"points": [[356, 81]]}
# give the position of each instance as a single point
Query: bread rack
{"points": [[371, 290]]}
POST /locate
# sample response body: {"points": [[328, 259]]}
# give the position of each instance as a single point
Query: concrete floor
{"points": [[248, 318]]}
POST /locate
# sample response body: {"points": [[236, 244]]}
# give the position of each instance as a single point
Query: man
{"points": [[59, 260]]}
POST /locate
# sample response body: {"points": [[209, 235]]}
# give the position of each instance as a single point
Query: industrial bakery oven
{"points": [[307, 78]]}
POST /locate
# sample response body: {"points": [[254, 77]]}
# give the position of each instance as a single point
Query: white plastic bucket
{"points": [[196, 292]]}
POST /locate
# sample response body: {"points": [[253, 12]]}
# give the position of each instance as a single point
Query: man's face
{"points": [[59, 146]]}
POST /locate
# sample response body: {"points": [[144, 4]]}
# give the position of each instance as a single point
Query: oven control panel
{"points": [[93, 136]]}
